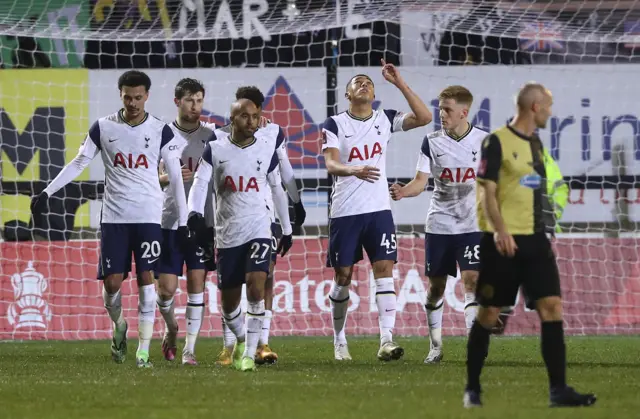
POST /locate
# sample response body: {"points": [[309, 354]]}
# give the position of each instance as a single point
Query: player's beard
{"points": [[191, 118]]}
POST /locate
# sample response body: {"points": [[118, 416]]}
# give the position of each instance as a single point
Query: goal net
{"points": [[60, 64]]}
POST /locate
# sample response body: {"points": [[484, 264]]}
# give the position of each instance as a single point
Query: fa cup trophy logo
{"points": [[29, 308]]}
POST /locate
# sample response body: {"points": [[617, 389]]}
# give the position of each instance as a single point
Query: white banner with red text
{"points": [[49, 291]]}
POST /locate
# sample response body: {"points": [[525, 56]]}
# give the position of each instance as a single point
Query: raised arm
{"points": [[87, 152], [170, 151], [420, 114]]}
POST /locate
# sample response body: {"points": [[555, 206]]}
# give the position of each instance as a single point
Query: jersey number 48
{"points": [[472, 252]]}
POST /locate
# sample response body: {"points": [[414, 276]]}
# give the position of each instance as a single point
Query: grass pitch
{"points": [[79, 380]]}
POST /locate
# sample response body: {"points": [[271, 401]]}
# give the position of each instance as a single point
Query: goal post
{"points": [[61, 60]]}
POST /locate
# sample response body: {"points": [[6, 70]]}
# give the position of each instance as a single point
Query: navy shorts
{"points": [[173, 257], [276, 235], [443, 251], [119, 241], [234, 263], [374, 231]]}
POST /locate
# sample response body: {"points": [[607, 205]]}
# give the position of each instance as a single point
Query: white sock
{"points": [[235, 323], [266, 326], [195, 309], [255, 314], [434, 320], [386, 302], [113, 304], [146, 315], [168, 314], [339, 297], [470, 309], [228, 338]]}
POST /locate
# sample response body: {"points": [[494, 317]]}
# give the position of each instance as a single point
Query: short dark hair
{"points": [[188, 86], [355, 77], [251, 93], [134, 78]]}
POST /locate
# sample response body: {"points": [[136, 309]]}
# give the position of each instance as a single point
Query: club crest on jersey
{"points": [[365, 153], [458, 175], [147, 139], [242, 185], [377, 127], [533, 181], [128, 161], [258, 162]]}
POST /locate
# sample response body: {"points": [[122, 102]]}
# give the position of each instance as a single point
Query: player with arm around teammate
{"points": [[240, 163], [188, 98], [131, 143], [452, 236], [354, 147], [282, 238]]}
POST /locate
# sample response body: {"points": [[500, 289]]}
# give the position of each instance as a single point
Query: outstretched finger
{"points": [[383, 62]]}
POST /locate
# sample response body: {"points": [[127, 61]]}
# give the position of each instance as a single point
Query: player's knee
{"points": [[145, 278], [343, 276], [112, 283], [230, 299], [469, 278], [549, 309], [195, 281], [255, 285], [382, 269], [437, 286], [488, 316], [167, 285]]}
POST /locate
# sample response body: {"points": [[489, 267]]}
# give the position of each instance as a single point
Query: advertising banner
{"points": [[49, 291], [44, 117]]}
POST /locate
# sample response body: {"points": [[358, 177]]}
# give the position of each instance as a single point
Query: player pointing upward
{"points": [[354, 147], [131, 143], [241, 162], [451, 155]]}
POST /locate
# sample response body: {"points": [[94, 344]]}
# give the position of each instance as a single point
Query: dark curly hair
{"points": [[251, 93], [134, 78]]}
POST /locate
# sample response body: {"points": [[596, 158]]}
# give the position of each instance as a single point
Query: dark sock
{"points": [[477, 348], [554, 353]]}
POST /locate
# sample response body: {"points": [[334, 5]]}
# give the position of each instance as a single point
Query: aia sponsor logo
{"points": [[458, 174], [130, 161]]}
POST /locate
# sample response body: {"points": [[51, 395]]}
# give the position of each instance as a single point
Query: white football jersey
{"points": [[196, 140], [243, 196], [452, 164], [131, 155], [361, 142]]}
